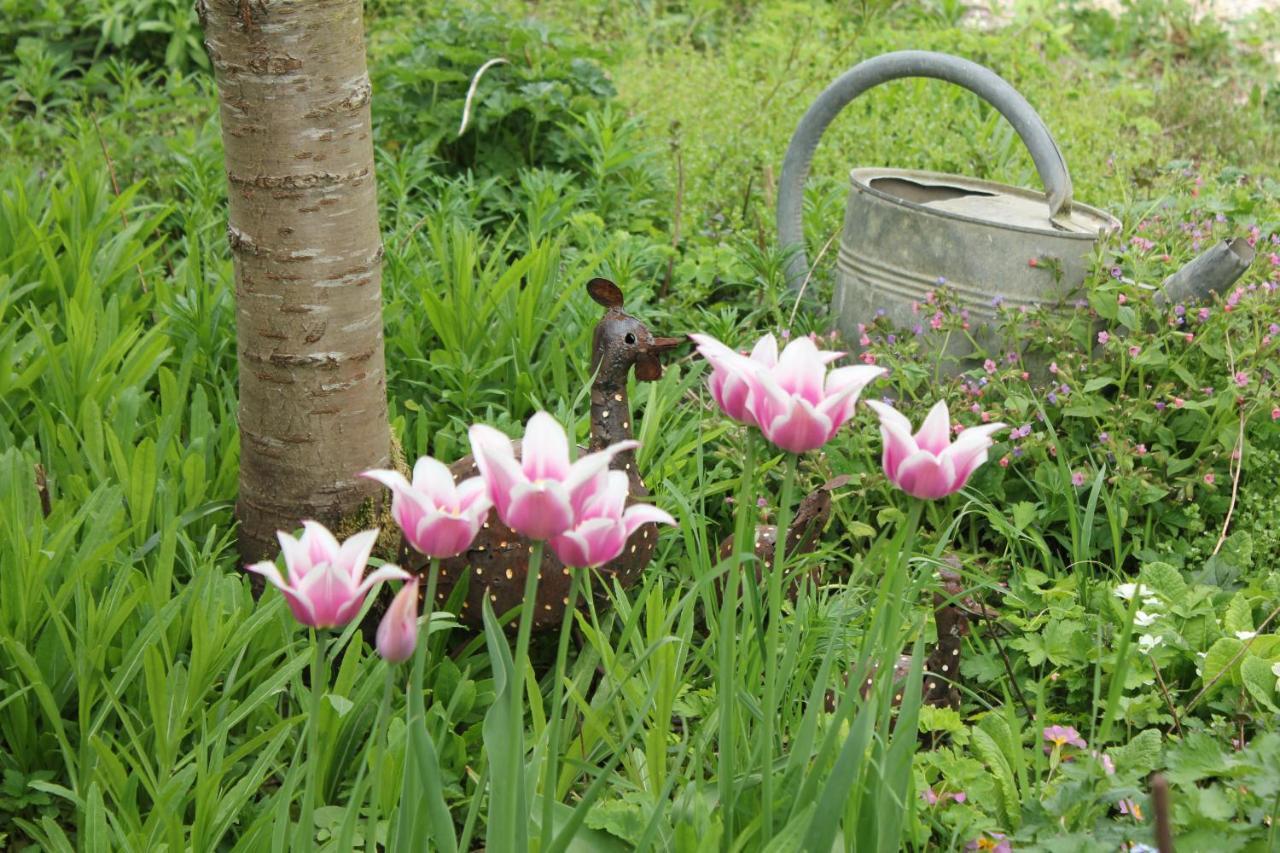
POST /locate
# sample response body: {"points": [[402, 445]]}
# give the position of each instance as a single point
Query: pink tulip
{"points": [[603, 522], [536, 496], [325, 587], [801, 406], [439, 519], [928, 465], [796, 403], [734, 376], [398, 631]]}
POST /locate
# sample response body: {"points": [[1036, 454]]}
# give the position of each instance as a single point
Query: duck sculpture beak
{"points": [[648, 367]]}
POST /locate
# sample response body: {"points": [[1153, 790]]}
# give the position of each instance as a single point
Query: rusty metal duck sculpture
{"points": [[810, 519], [952, 612], [497, 562]]}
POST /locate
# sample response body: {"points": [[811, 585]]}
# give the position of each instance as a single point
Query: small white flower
{"points": [[1147, 642], [1143, 619], [1127, 590], [1246, 635], [1275, 670], [1150, 601]]}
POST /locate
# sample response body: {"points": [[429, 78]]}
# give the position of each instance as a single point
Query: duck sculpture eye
{"points": [[630, 338]]}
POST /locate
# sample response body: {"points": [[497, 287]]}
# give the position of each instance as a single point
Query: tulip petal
{"points": [[711, 349], [970, 450], [800, 371], [382, 574], [270, 571], [858, 376], [638, 515], [297, 560], [895, 431], [496, 461], [592, 543], [925, 476], [473, 496], [322, 547], [588, 466], [765, 351], [935, 433], [539, 511], [393, 480], [353, 556], [397, 635], [443, 536], [433, 478], [545, 449], [604, 496], [801, 428], [328, 590]]}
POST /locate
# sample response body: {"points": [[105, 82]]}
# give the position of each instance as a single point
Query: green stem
{"points": [[429, 603], [527, 610], [379, 753], [553, 727], [771, 639], [727, 688], [520, 663], [307, 818]]}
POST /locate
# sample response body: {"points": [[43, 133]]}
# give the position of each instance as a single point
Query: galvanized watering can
{"points": [[905, 230]]}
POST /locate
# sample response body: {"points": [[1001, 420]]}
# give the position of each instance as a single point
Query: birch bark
{"points": [[294, 92]]}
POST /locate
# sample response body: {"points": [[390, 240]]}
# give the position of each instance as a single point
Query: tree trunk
{"points": [[303, 227]]}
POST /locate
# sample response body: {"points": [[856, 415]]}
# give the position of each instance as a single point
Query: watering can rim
{"points": [[1108, 224], [871, 72]]}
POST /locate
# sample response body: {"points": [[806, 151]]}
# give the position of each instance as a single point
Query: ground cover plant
{"points": [[1118, 550]]}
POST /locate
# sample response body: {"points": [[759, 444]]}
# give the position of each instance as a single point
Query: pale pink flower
{"points": [[536, 495], [326, 584], [1063, 736], [928, 464], [603, 522], [439, 518], [398, 631], [798, 404]]}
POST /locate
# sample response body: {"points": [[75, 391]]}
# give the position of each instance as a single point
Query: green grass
{"points": [[149, 702]]}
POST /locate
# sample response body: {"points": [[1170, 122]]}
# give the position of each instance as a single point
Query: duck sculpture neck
{"points": [[620, 343]]}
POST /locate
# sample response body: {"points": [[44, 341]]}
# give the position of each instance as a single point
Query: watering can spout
{"points": [[1212, 271]]}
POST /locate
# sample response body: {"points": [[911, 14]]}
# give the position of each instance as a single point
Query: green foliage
{"points": [[430, 55], [148, 701]]}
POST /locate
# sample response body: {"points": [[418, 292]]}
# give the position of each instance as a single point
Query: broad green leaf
{"points": [[1259, 680], [1221, 666]]}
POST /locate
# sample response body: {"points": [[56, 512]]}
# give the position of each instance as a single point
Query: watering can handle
{"points": [[891, 66]]}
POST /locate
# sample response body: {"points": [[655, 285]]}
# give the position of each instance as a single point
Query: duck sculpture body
{"points": [[807, 524], [952, 613], [497, 563]]}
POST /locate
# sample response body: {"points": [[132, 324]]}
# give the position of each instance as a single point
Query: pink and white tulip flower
{"points": [[929, 465], [791, 397], [398, 631], [536, 495], [802, 405], [734, 377], [326, 583], [439, 518], [603, 522]]}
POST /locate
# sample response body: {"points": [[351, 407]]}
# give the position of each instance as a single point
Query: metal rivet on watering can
{"points": [[905, 230]]}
